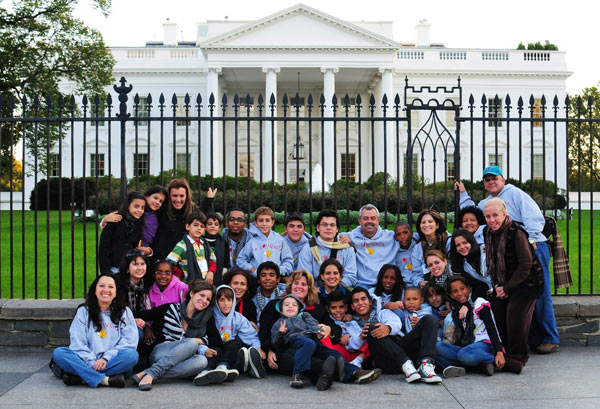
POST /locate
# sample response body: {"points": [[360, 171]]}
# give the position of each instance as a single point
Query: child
{"points": [[194, 248], [244, 287], [233, 332], [414, 308], [303, 333], [331, 273], [217, 245], [265, 245], [468, 258], [404, 235], [479, 343], [235, 234], [351, 346], [269, 287], [166, 288], [439, 269], [295, 235], [436, 297], [390, 288], [118, 238]]}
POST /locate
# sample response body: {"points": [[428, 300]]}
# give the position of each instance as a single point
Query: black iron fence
{"points": [[297, 154]]}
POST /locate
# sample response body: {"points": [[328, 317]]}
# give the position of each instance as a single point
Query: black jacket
{"points": [[115, 241]]}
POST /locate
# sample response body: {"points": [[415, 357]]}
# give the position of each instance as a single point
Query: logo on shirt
{"points": [[102, 334], [370, 251], [268, 253]]}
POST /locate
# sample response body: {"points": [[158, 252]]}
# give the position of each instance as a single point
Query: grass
{"points": [[43, 266]]}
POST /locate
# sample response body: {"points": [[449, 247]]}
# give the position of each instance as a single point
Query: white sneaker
{"points": [[411, 373], [207, 377], [427, 372]]}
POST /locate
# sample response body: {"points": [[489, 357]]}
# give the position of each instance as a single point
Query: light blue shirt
{"points": [[346, 257], [260, 248]]}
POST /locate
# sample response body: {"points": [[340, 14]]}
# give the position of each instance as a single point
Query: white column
{"points": [[214, 154], [386, 87], [328, 91], [269, 152]]}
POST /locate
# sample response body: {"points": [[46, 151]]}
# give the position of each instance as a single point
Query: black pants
{"points": [[226, 355], [513, 318], [389, 353]]}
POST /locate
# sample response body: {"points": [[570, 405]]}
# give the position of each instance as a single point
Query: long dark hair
{"points": [[441, 236], [474, 256], [189, 205], [124, 209], [123, 276], [398, 289], [117, 307]]}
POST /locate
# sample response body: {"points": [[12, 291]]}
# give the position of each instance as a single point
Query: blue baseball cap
{"points": [[492, 170]]}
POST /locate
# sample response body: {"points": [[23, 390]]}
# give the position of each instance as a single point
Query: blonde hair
{"points": [[495, 201], [312, 297], [264, 211]]}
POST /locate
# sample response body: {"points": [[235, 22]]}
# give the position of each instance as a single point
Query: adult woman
{"points": [[103, 339], [468, 258], [471, 219], [431, 227], [302, 285], [171, 217], [182, 355], [244, 287], [516, 277]]}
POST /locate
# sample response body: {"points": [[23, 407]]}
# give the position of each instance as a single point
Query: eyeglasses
{"points": [[237, 219], [165, 273], [330, 225]]}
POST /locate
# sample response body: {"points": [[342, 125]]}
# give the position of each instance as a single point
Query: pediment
{"points": [[300, 27]]}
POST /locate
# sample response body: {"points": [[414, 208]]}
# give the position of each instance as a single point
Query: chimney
{"points": [[422, 30], [171, 31]]}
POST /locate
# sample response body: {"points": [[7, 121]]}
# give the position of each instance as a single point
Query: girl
{"points": [[331, 272], [468, 258], [390, 287], [166, 288], [244, 287], [118, 238], [436, 297], [479, 343], [431, 227], [439, 269]]}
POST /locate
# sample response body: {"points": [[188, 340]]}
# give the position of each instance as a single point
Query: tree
{"points": [[538, 46], [584, 141], [17, 177], [41, 44]]}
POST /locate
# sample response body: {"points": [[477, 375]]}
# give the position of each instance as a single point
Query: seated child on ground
{"points": [[414, 308], [269, 287], [331, 273], [166, 288], [390, 288]]}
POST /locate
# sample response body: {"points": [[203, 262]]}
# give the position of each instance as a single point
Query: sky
{"points": [[571, 25]]}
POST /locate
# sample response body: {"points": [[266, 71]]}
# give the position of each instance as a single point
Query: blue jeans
{"points": [[307, 347], [472, 355], [543, 328], [176, 359], [70, 362]]}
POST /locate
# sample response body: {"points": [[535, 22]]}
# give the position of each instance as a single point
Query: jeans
{"points": [[543, 327], [306, 349], [471, 355], [70, 362], [176, 359]]}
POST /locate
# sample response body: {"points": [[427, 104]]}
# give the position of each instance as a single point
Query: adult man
{"points": [[235, 234], [524, 210], [374, 246], [295, 235], [325, 245]]}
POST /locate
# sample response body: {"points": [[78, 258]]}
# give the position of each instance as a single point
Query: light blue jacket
{"points": [[346, 257], [386, 317], [419, 266], [519, 206], [354, 330], [91, 344], [404, 262], [260, 248], [296, 248], [234, 324], [372, 253]]}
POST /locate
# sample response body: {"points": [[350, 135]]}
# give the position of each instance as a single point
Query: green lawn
{"points": [[72, 277]]}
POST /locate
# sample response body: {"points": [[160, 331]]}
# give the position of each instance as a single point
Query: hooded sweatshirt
{"points": [[519, 206], [354, 330], [381, 315], [174, 293], [297, 248], [346, 257], [261, 248], [418, 262], [372, 253], [234, 324], [301, 325], [91, 344], [405, 264], [235, 247]]}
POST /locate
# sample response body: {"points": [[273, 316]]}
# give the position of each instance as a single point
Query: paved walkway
{"points": [[569, 378]]}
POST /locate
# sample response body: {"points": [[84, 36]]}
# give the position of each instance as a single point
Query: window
{"points": [[537, 112], [294, 176], [180, 111], [140, 164], [54, 165], [246, 164], [183, 160], [93, 114], [349, 161], [415, 163], [414, 119], [97, 161], [142, 111], [494, 111], [450, 115], [538, 166], [450, 166], [495, 161]]}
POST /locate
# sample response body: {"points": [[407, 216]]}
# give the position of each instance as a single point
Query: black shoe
{"points": [[327, 372], [116, 381], [70, 379], [56, 370], [297, 381], [256, 368], [363, 376], [512, 365], [340, 363], [488, 369]]}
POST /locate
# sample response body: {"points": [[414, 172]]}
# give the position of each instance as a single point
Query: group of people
{"points": [[180, 297]]}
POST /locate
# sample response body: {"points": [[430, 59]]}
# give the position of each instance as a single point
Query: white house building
{"points": [[303, 50]]}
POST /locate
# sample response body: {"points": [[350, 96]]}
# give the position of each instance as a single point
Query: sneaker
{"points": [[70, 379], [546, 348], [56, 370], [410, 371], [488, 369], [243, 359], [208, 377], [363, 376], [427, 372], [453, 371], [340, 364], [116, 381], [327, 372], [256, 369], [232, 375], [297, 381]]}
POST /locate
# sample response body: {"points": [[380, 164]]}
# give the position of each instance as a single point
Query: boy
{"points": [[192, 256], [331, 273], [269, 287], [265, 245], [235, 234], [217, 245], [233, 330], [295, 235], [404, 235], [352, 347], [414, 308]]}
